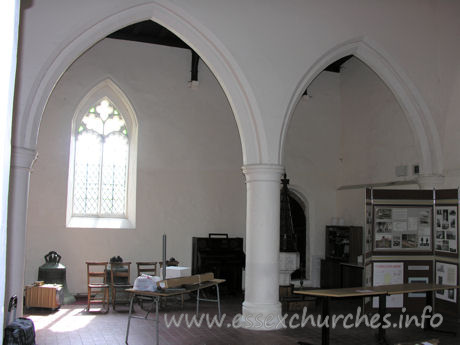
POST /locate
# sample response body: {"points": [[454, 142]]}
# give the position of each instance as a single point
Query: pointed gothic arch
{"points": [[107, 91], [202, 40], [413, 105]]}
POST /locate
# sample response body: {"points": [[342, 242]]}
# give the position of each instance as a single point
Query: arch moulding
{"points": [[416, 111], [202, 40]]}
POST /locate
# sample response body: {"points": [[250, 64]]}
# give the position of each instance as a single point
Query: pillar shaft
{"points": [[261, 302], [21, 162]]}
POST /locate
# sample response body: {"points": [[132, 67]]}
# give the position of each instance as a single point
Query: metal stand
{"points": [[381, 336], [157, 318], [217, 300], [156, 300]]}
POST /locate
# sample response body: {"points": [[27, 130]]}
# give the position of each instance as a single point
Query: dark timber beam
{"points": [[195, 61]]}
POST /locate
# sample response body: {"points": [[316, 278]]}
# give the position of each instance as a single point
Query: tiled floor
{"points": [[71, 325]]}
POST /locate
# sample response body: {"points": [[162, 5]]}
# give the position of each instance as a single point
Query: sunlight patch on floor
{"points": [[64, 320]]}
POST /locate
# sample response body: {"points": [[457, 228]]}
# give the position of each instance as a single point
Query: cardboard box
{"points": [[190, 280], [44, 296], [178, 271]]}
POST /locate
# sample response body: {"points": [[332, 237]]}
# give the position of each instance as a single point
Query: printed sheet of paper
{"points": [[446, 274], [389, 273]]}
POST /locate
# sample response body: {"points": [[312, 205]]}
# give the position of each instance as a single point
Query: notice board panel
{"points": [[446, 301], [403, 228]]}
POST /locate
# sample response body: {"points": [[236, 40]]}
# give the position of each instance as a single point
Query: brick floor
{"points": [[71, 325]]}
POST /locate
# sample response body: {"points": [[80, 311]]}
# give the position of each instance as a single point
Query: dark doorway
{"points": [[300, 227]]}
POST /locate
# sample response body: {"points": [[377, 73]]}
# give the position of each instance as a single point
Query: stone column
{"points": [[21, 163], [261, 307]]}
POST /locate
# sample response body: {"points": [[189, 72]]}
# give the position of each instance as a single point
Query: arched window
{"points": [[102, 169]]}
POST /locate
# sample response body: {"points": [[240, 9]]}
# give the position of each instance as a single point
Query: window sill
{"points": [[100, 223]]}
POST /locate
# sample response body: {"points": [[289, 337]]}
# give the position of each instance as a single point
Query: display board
{"points": [[411, 236], [446, 229], [402, 228], [368, 231], [446, 273]]}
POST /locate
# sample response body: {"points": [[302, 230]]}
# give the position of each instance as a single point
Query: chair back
{"points": [[120, 273], [96, 272], [147, 267]]}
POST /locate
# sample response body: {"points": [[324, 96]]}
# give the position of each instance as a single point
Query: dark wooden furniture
{"points": [[351, 275], [221, 255], [97, 284], [120, 273], [343, 245], [147, 267]]}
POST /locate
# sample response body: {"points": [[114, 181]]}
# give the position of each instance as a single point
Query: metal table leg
{"points": [[197, 301], [218, 301], [428, 302], [324, 314], [129, 317], [157, 319], [382, 311]]}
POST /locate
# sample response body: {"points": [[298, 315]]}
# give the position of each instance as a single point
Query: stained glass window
{"points": [[101, 163]]}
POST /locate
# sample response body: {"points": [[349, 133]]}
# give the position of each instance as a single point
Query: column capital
{"points": [[430, 181], [22, 158], [263, 172]]}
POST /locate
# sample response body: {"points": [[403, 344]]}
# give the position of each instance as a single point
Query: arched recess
{"points": [[202, 40], [414, 107], [106, 89], [300, 197]]}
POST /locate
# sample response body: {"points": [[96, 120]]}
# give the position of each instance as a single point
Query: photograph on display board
{"points": [[446, 274], [403, 228], [446, 229], [368, 243]]}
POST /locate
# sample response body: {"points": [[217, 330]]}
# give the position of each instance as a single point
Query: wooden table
{"points": [[156, 295], [375, 291]]}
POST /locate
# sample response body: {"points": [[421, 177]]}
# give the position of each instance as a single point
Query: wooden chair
{"points": [[147, 267], [97, 284], [120, 273]]}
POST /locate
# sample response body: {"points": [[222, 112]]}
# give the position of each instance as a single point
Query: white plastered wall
{"points": [[375, 138], [189, 181]]}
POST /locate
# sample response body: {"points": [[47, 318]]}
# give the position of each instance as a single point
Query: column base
{"points": [[261, 317]]}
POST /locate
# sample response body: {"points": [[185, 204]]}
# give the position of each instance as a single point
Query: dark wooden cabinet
{"points": [[343, 245], [221, 255]]}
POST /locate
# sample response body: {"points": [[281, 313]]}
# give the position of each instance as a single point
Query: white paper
{"points": [[389, 273], [399, 226], [412, 224], [399, 213], [446, 274]]}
